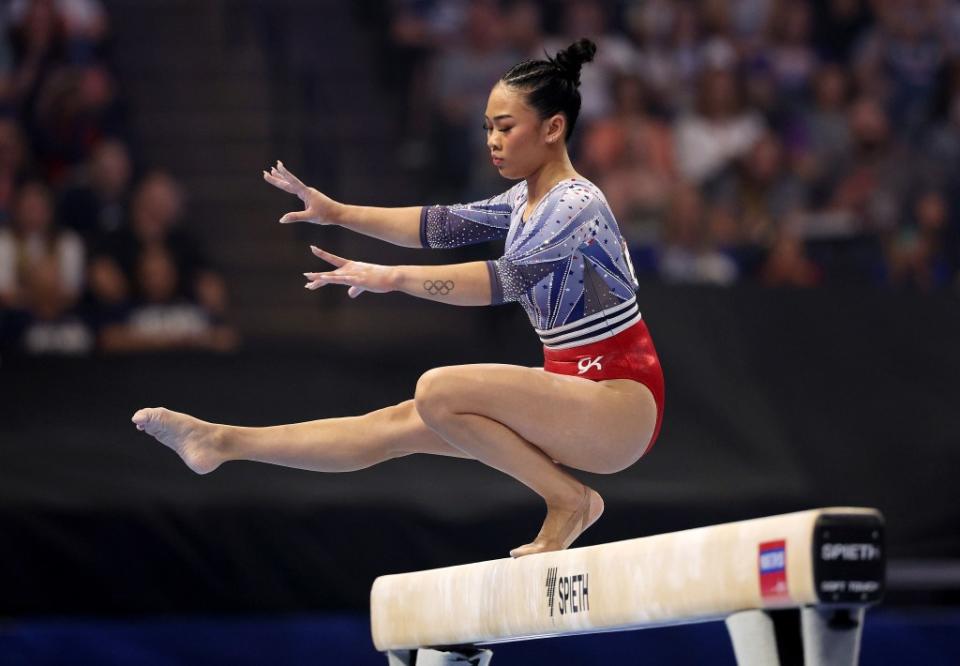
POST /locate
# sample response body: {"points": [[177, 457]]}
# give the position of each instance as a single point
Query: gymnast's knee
{"points": [[434, 397], [399, 416]]}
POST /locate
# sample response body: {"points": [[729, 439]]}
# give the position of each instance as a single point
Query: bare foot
{"points": [[562, 526], [196, 442]]}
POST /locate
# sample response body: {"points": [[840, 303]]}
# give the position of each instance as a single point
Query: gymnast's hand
{"points": [[359, 276], [318, 207]]}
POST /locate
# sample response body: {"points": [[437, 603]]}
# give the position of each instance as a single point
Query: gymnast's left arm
{"points": [[457, 284]]}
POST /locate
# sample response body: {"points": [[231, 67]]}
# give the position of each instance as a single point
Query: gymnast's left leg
{"points": [[340, 444], [523, 421]]}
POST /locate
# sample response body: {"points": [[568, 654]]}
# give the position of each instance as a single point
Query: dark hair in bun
{"points": [[552, 85]]}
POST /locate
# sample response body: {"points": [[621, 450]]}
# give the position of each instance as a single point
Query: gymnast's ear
{"points": [[555, 128]]}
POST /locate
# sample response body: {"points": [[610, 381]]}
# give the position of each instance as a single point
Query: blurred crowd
{"points": [[94, 255], [777, 142], [781, 142]]}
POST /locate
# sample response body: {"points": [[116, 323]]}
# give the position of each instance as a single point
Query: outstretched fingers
{"points": [[329, 258], [280, 177], [289, 176], [338, 276], [318, 280], [275, 179]]}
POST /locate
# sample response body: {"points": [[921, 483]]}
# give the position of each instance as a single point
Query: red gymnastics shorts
{"points": [[629, 354]]}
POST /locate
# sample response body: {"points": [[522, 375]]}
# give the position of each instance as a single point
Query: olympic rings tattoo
{"points": [[438, 287]]}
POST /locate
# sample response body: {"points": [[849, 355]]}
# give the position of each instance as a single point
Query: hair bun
{"points": [[571, 59]]}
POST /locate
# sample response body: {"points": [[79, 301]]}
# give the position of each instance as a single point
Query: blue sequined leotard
{"points": [[568, 265]]}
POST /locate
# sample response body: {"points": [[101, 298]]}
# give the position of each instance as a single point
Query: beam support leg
{"points": [[831, 636], [400, 657], [425, 657], [754, 638]]}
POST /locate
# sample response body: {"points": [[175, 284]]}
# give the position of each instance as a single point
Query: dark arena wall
{"points": [[776, 400]]}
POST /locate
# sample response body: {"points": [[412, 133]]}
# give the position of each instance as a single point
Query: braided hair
{"points": [[551, 85]]}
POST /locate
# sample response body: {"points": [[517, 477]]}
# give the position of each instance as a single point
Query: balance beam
{"points": [[829, 559]]}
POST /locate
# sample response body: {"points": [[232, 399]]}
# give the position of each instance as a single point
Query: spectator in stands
{"points": [[462, 76], [761, 193], [838, 25], [630, 157], [161, 317], [77, 108], [7, 79], [38, 40], [872, 189], [916, 256], [750, 22], [523, 25], [900, 57], [665, 37], [33, 242], [791, 56], [155, 216], [777, 70], [718, 132], [14, 166], [941, 153], [725, 233], [688, 255], [414, 31], [788, 265], [718, 48], [96, 203], [826, 146], [615, 55], [82, 25], [47, 320]]}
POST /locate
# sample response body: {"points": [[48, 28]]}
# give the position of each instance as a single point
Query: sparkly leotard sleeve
{"points": [[567, 265], [467, 224]]}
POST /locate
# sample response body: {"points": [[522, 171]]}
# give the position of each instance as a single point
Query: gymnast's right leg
{"points": [[326, 445]]}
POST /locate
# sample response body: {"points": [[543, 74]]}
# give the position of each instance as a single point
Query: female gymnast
{"points": [[597, 403]]}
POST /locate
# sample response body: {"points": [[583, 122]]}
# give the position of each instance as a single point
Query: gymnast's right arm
{"points": [[400, 226], [411, 226]]}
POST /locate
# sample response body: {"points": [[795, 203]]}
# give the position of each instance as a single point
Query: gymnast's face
{"points": [[520, 142]]}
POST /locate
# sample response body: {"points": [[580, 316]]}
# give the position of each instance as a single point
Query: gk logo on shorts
{"points": [[585, 363]]}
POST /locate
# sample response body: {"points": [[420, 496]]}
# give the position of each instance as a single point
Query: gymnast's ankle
{"points": [[571, 499]]}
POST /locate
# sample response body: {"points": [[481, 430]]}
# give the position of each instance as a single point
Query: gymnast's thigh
{"points": [[593, 426]]}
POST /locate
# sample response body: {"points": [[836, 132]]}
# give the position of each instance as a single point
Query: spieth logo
{"points": [[571, 593], [849, 552]]}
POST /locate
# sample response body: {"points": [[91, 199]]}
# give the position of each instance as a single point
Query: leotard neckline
{"points": [[526, 197]]}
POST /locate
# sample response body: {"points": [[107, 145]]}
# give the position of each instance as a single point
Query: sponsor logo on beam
{"points": [[567, 594], [772, 565]]}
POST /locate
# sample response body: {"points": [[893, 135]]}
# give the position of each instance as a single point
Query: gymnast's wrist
{"points": [[397, 278], [342, 213]]}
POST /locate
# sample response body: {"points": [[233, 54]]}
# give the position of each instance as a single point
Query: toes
{"points": [[518, 551], [140, 417], [144, 418], [526, 549]]}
